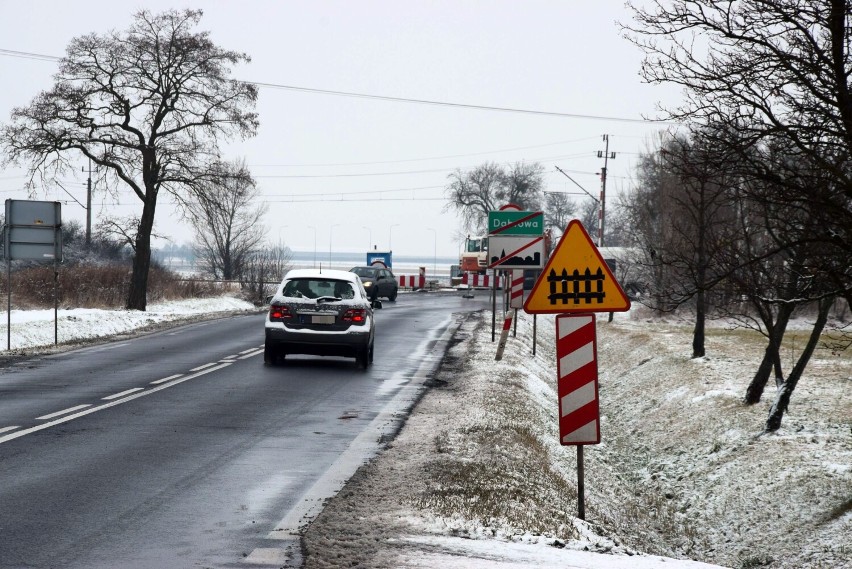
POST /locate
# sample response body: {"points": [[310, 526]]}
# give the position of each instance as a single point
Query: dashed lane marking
{"points": [[254, 353], [7, 429], [165, 379], [122, 394], [63, 412], [83, 411], [205, 366]]}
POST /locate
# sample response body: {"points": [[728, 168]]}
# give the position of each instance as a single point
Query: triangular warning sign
{"points": [[576, 279]]}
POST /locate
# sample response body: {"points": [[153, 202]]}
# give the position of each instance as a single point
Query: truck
{"points": [[474, 255]]}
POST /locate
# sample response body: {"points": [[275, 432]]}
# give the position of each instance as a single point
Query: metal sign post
{"points": [[515, 241], [33, 231], [575, 284]]}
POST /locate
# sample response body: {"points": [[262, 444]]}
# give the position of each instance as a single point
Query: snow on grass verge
{"points": [[478, 472], [35, 328]]}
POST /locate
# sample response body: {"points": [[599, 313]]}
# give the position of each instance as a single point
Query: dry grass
{"points": [[96, 286]]}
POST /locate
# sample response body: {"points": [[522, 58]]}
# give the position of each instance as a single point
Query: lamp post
{"points": [[330, 231], [434, 252], [315, 244], [390, 237], [370, 239]]}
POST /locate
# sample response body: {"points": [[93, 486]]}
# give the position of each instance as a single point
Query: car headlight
{"points": [[368, 284]]}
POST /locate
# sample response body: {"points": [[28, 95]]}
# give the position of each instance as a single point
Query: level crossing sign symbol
{"points": [[576, 279]]}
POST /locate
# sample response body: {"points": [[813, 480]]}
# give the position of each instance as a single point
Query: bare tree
{"points": [[264, 268], [765, 73], [523, 185], [488, 187], [590, 216], [473, 194], [768, 75], [227, 219], [149, 105], [559, 209]]}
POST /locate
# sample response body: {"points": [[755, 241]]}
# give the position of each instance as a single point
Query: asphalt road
{"points": [[181, 449]]}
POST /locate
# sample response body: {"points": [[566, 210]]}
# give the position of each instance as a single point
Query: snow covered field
{"points": [[42, 328], [476, 478]]}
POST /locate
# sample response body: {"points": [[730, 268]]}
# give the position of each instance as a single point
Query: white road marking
{"points": [[63, 412], [232, 357], [7, 429], [18, 434], [205, 366], [254, 353], [247, 351], [122, 394], [267, 556], [165, 379]]}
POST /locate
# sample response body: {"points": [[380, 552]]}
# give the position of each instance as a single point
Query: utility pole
{"points": [[606, 155], [89, 207]]}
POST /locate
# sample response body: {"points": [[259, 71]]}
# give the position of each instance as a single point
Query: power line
{"points": [[451, 104], [27, 55], [423, 159], [405, 172], [375, 97]]}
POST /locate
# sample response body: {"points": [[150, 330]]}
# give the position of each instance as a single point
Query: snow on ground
{"points": [[476, 478], [42, 328]]}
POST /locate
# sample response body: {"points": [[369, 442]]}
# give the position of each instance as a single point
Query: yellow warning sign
{"points": [[576, 279]]}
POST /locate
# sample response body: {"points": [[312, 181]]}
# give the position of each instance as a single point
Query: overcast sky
{"points": [[350, 171]]}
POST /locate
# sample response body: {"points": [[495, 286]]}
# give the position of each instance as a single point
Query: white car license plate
{"points": [[322, 319]]}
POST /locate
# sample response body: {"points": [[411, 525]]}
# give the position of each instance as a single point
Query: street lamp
{"points": [[370, 240], [315, 244], [390, 237], [330, 231], [434, 253]]}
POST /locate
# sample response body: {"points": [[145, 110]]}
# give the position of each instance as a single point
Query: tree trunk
{"points": [[137, 298], [771, 356], [773, 423], [698, 333], [701, 280]]}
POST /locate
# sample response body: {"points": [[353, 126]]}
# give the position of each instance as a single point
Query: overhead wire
{"points": [[331, 92], [432, 102]]}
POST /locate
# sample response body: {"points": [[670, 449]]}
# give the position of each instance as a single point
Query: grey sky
{"points": [[314, 152]]}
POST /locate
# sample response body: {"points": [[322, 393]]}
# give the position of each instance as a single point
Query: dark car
{"points": [[324, 313], [378, 281]]}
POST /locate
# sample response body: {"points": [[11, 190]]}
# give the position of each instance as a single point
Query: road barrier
{"points": [[412, 281], [478, 281]]}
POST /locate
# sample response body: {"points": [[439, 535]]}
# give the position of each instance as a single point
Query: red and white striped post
{"points": [[516, 296], [504, 335], [577, 367], [577, 388]]}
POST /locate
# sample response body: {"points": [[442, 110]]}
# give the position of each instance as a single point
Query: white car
{"points": [[320, 312]]}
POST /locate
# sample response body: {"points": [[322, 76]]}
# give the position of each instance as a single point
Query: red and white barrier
{"points": [[412, 281], [475, 280]]}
